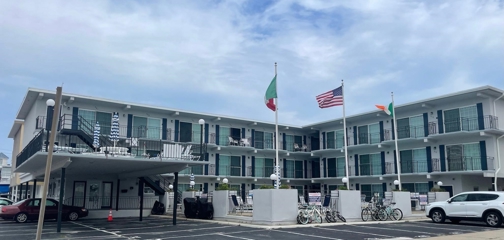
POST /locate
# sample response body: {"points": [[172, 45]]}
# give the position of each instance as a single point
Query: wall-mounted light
{"points": [[388, 152], [171, 120], [124, 115], [435, 147]]}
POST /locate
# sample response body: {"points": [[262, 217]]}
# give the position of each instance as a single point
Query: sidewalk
{"points": [[487, 235]]}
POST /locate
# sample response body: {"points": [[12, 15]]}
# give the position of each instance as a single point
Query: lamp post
{"points": [[440, 183], [273, 178], [225, 181], [47, 173], [192, 183], [345, 181], [396, 183], [50, 106]]}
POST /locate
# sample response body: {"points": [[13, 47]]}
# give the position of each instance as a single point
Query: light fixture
{"points": [[170, 187], [273, 177], [440, 183], [50, 103], [201, 121], [344, 180], [225, 180], [396, 182], [192, 183]]}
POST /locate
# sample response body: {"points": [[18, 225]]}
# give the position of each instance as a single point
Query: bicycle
{"points": [[393, 213]]}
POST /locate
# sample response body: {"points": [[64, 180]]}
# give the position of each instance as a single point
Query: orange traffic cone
{"points": [[110, 216]]}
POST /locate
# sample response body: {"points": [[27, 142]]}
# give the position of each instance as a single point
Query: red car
{"points": [[29, 209]]}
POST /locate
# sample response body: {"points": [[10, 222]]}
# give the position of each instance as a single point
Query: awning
{"points": [[4, 188]]}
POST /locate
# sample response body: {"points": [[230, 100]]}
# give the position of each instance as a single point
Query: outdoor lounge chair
{"points": [[296, 147], [245, 142], [237, 206], [232, 142]]}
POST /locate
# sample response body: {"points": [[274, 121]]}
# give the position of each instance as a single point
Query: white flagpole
{"points": [[345, 134], [277, 168], [398, 160]]}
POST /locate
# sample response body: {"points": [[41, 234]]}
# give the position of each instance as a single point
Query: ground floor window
{"points": [[370, 189], [422, 188]]}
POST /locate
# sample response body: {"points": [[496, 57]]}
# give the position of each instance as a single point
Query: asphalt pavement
{"points": [[162, 228]]}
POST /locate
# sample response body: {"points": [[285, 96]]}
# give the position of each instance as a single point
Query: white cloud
{"points": [[218, 56]]}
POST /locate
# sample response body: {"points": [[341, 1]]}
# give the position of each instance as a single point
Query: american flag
{"points": [[331, 98]]}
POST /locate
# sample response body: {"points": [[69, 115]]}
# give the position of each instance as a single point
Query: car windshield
{"points": [[19, 203]]}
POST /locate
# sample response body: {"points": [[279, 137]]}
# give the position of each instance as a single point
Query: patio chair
{"points": [[245, 142], [237, 206], [246, 206], [296, 147], [304, 148], [326, 205], [232, 142]]}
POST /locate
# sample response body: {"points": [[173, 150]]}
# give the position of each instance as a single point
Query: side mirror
{"points": [[449, 200]]}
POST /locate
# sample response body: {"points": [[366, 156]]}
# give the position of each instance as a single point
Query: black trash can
{"points": [[205, 209], [190, 208]]}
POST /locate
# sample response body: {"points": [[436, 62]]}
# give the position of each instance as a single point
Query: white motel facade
{"points": [[452, 138]]}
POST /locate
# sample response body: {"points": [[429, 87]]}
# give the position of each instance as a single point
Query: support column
{"points": [[34, 188], [175, 197], [60, 204], [117, 194], [26, 190], [141, 191], [20, 191]]}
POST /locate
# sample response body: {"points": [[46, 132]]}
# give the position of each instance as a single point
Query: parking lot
{"points": [[161, 228]]}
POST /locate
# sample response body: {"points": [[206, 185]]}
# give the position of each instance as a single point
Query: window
{"points": [[363, 137], [263, 140], [144, 127], [370, 164], [229, 165], [184, 187], [368, 134], [412, 127], [300, 190], [414, 161], [340, 137], [331, 140], [370, 189], [294, 169], [289, 141], [465, 119], [91, 117], [196, 170], [416, 187], [226, 134], [464, 157], [482, 197], [264, 167], [336, 167], [4, 202], [190, 132], [460, 198]]}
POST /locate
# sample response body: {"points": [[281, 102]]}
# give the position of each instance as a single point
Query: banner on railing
{"points": [[314, 198]]}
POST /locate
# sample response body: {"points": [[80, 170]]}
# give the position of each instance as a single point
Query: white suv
{"points": [[469, 206]]}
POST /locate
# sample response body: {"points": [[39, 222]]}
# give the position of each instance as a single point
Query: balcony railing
{"points": [[404, 132], [34, 146], [389, 168], [268, 144], [414, 166], [293, 173], [466, 163], [367, 169], [233, 141], [261, 172], [227, 171], [340, 172], [196, 170], [470, 124]]}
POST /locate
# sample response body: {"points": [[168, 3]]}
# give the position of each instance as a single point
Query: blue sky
{"points": [[218, 56]]}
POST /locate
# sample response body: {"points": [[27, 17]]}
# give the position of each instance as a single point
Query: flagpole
{"points": [[277, 172], [345, 134], [398, 161]]}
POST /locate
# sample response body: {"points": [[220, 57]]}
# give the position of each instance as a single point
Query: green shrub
{"points": [[342, 188], [266, 187], [284, 186], [437, 190], [190, 190], [222, 186]]}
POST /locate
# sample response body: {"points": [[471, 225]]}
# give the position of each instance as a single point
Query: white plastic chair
{"points": [[245, 142], [232, 141]]}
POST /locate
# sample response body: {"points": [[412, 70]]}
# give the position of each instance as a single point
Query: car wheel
{"points": [[454, 221], [21, 217], [73, 216], [493, 219], [438, 216]]}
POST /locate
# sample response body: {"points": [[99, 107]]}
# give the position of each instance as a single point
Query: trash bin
{"points": [[190, 208]]}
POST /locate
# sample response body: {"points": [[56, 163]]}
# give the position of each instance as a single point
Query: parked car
{"points": [[469, 206], [5, 202], [29, 209]]}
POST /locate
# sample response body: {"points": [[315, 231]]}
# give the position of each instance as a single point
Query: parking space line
{"points": [[134, 228], [306, 235], [176, 231], [100, 230], [451, 229], [393, 229], [229, 236], [350, 231], [203, 235]]}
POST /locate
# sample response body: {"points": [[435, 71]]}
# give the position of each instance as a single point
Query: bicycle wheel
{"points": [[317, 217], [382, 215], [397, 214], [303, 218], [365, 214], [341, 217], [333, 216], [328, 217]]}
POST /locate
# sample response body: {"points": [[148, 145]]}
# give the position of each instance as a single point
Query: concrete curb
{"points": [[243, 224]]}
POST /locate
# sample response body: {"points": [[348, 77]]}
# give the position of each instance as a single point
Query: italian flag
{"points": [[388, 110], [270, 95]]}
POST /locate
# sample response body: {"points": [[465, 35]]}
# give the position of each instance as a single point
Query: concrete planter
{"points": [[403, 202], [275, 206], [348, 203], [220, 202]]}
